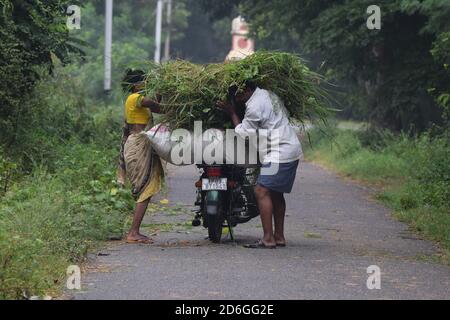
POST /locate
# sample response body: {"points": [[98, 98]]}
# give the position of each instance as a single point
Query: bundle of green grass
{"points": [[190, 91]]}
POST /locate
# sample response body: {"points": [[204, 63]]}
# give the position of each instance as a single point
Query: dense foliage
{"points": [[389, 73], [70, 200], [32, 35], [205, 40]]}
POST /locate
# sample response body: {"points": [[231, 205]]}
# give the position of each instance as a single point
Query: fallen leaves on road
{"points": [[180, 243], [312, 235]]}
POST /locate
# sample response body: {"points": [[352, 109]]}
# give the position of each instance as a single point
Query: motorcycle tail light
{"points": [[214, 172]]}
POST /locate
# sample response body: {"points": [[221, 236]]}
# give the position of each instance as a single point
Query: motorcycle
{"points": [[225, 198]]}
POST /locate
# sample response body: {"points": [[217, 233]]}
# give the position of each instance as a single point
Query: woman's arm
{"points": [[153, 105]]}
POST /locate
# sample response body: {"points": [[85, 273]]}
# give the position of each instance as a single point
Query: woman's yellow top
{"points": [[134, 112]]}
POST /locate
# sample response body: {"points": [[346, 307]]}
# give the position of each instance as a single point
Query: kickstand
{"points": [[230, 231]]}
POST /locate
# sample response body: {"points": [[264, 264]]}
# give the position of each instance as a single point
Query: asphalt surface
{"points": [[335, 231]]}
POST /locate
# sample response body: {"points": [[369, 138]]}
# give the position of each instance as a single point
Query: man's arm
{"points": [[235, 119], [231, 110], [249, 124]]}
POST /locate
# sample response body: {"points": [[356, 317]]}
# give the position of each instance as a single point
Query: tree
{"points": [[387, 73], [32, 35], [204, 40], [133, 40]]}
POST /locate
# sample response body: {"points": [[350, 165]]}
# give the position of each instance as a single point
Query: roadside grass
{"points": [[49, 221], [58, 195], [411, 174]]}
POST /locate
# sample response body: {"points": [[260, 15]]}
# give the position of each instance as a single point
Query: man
{"points": [[265, 111]]}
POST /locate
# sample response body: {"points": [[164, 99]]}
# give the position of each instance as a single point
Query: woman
{"points": [[137, 160]]}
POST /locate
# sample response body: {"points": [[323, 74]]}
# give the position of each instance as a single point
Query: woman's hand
{"points": [[151, 104]]}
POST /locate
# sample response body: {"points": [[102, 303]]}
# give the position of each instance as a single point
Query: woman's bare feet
{"points": [[139, 238]]}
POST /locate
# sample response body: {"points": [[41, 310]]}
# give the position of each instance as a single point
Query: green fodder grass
{"points": [[189, 92], [413, 173]]}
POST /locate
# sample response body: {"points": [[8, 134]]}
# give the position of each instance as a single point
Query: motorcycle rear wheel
{"points": [[215, 218], [215, 226]]}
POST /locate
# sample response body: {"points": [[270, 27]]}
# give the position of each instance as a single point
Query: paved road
{"points": [[335, 232]]}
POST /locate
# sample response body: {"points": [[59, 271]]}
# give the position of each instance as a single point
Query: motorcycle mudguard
{"points": [[212, 202]]}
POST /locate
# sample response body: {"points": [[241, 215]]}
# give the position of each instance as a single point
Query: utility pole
{"points": [[108, 44], [169, 29], [159, 12]]}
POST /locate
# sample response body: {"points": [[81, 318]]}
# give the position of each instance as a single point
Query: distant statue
{"points": [[242, 45]]}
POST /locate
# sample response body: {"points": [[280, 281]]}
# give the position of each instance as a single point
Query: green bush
{"points": [[346, 144], [370, 165], [68, 113], [49, 221], [375, 138], [8, 170], [32, 36], [433, 172], [61, 197]]}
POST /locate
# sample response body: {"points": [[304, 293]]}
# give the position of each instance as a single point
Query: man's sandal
{"points": [[259, 245]]}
